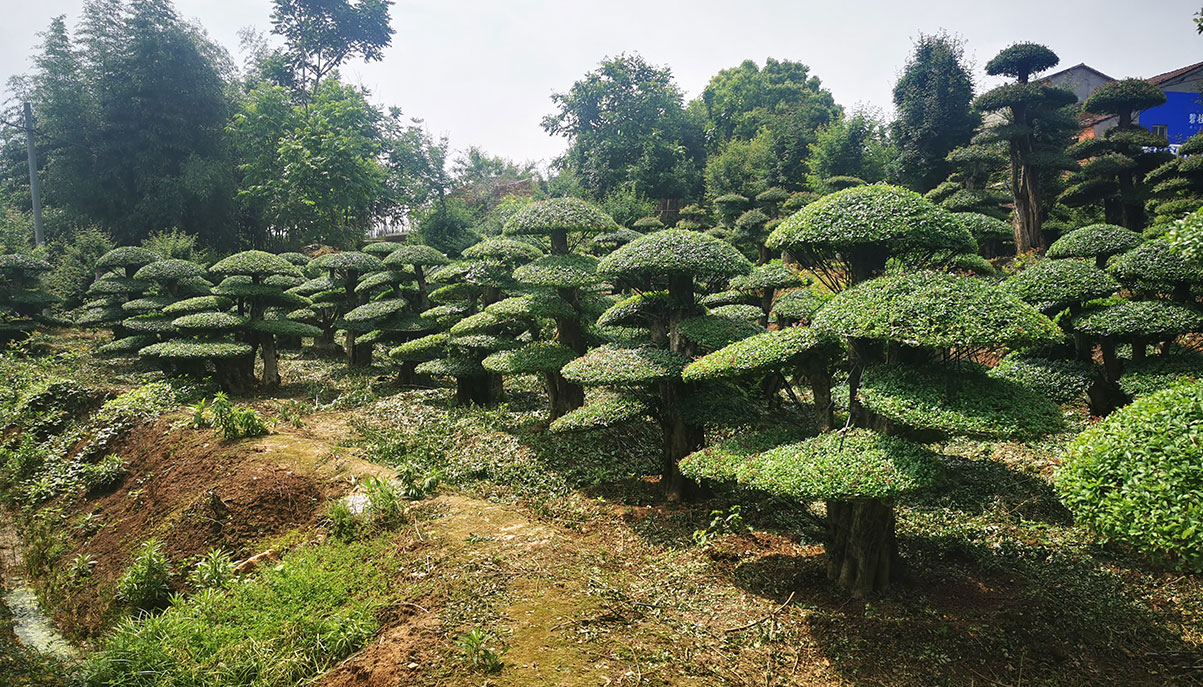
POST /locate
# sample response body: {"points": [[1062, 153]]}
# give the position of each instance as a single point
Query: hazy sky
{"points": [[482, 71]]}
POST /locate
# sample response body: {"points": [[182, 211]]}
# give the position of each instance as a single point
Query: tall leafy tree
{"points": [[855, 146], [1036, 130], [627, 125], [323, 34], [781, 101], [933, 97], [131, 114], [292, 152]]}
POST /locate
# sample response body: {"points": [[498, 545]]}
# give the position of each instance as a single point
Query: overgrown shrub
{"points": [[146, 584], [1134, 478], [75, 267], [214, 570]]}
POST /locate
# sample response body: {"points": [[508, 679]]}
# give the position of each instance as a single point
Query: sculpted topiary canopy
{"points": [[1095, 241], [254, 263], [1058, 284], [856, 464], [935, 310], [894, 217], [674, 252], [758, 354], [569, 215]]}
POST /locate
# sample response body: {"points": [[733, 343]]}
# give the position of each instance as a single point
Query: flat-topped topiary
{"points": [[1061, 381], [710, 332], [609, 366], [957, 401], [1098, 241], [674, 256], [1054, 285], [848, 236], [23, 299], [1155, 267], [858, 472], [935, 310], [254, 264]]}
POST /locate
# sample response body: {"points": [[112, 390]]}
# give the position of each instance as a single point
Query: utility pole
{"points": [[35, 187]]}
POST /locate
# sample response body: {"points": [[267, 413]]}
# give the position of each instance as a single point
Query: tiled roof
{"points": [[1162, 78]]}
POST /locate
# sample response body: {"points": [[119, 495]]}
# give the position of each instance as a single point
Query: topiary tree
{"points": [[918, 388], [751, 230], [990, 233], [1098, 241], [169, 281], [22, 297], [764, 282], [693, 218], [562, 220], [1177, 185], [847, 237], [1134, 478], [470, 333], [663, 269], [114, 286], [345, 268], [972, 186], [1154, 268], [247, 275], [729, 207], [646, 225], [416, 259], [1115, 166], [1035, 129]]}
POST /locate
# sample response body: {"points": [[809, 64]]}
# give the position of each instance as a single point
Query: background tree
{"points": [[1114, 167], [1036, 132], [626, 124], [933, 98], [854, 146], [22, 297], [131, 115], [322, 34], [779, 108]]}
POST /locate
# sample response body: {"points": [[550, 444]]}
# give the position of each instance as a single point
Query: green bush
{"points": [[146, 584], [214, 570], [1134, 478], [75, 267], [1061, 381]]}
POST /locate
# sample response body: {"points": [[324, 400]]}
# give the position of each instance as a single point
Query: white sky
{"points": [[482, 71]]}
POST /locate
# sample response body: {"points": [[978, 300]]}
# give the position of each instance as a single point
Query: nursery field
{"points": [[539, 558]]}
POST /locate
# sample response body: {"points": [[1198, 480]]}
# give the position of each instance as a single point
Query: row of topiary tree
{"points": [[835, 393]]}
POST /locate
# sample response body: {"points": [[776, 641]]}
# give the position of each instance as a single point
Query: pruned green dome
{"points": [[559, 271], [935, 310], [889, 216], [759, 354], [348, 261], [607, 366], [126, 256], [254, 263], [570, 215], [1057, 284], [1094, 241], [840, 466], [674, 252]]}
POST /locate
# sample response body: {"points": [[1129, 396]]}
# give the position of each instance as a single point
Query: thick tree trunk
{"points": [[472, 390], [862, 552], [680, 439], [763, 256], [271, 370], [1112, 367], [421, 300], [861, 354], [766, 305], [819, 378], [359, 355]]}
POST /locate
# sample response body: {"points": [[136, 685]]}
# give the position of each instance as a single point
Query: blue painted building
{"points": [[1178, 119]]}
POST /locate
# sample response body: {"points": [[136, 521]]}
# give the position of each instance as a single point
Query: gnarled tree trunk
{"points": [[861, 551]]}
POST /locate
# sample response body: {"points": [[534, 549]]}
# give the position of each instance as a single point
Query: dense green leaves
{"points": [[1096, 240], [759, 354], [1057, 284], [1134, 477], [934, 310], [674, 252], [835, 466], [608, 366], [958, 400]]}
